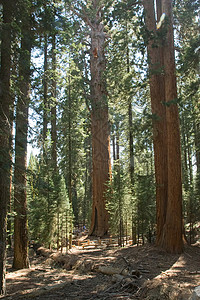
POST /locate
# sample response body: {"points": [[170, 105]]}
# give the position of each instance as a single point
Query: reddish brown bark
{"points": [[173, 233], [5, 133], [20, 199], [101, 171], [101, 163], [166, 128], [156, 80], [100, 130]]}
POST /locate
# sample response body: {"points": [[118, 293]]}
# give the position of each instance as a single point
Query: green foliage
{"points": [[145, 195], [186, 21], [66, 194], [119, 203], [48, 203]]}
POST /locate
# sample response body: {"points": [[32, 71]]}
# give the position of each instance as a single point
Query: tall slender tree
{"points": [[20, 197], [53, 105], [5, 133], [45, 93]]}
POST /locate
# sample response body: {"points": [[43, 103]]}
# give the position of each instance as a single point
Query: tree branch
{"points": [[83, 16]]}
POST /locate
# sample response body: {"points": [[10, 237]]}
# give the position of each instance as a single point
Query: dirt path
{"points": [[148, 273]]}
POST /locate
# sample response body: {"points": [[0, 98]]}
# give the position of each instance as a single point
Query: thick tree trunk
{"points": [[100, 131], [167, 153], [101, 171], [173, 230], [5, 133], [20, 201], [159, 116]]}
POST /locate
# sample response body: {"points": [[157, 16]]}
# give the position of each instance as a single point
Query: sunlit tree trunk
{"points": [[166, 126], [173, 230], [5, 133], [156, 80], [100, 131], [20, 198], [101, 163]]}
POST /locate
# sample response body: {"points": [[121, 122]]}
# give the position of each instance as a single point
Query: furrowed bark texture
{"points": [[157, 87], [100, 132], [166, 126], [20, 199], [5, 132], [173, 231]]}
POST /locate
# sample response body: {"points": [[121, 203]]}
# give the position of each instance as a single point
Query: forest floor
{"points": [[136, 272]]}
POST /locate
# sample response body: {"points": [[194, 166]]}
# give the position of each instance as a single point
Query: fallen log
{"points": [[66, 261], [112, 270], [44, 252]]}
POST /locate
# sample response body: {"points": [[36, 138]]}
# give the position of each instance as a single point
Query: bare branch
{"points": [[99, 11], [83, 16]]}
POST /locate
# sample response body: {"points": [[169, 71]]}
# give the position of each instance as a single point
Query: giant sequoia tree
{"points": [[100, 125], [156, 80], [172, 232], [166, 125], [99, 116]]}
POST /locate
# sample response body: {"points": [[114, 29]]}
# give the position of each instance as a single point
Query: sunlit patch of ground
{"points": [[177, 282], [163, 276]]}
